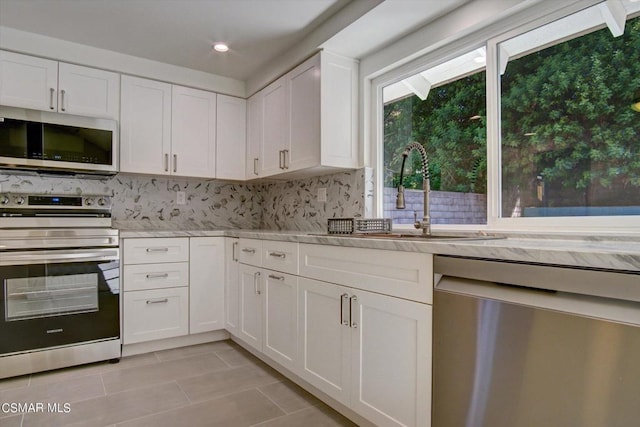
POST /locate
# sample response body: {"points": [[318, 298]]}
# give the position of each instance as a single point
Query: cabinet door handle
{"points": [[352, 311], [166, 162], [280, 157], [278, 254], [62, 92], [343, 318], [284, 157], [157, 275], [157, 249], [51, 92], [274, 277], [255, 166], [249, 250], [158, 301], [175, 163], [234, 257], [256, 276]]}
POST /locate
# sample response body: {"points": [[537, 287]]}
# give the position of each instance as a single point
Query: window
{"points": [[444, 109], [545, 136], [570, 141]]}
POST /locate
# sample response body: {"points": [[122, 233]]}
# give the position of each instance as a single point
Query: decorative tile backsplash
{"points": [[212, 204], [209, 203], [294, 205]]}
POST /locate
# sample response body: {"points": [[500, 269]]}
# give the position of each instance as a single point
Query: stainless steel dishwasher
{"points": [[534, 345]]}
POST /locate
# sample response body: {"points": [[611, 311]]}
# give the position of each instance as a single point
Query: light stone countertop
{"points": [[595, 252]]}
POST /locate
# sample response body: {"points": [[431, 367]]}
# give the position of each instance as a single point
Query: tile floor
{"points": [[214, 384]]}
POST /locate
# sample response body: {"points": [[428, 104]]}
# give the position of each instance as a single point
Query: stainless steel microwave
{"points": [[44, 141]]}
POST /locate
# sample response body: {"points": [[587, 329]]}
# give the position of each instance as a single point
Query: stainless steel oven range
{"points": [[59, 278]]}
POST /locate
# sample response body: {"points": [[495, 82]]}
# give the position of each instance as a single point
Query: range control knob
{"points": [[102, 201], [4, 200], [88, 201], [20, 200]]}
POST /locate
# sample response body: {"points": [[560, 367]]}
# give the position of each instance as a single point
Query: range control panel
{"points": [[48, 202]]}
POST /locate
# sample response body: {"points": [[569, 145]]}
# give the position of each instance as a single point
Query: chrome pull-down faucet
{"points": [[425, 224]]}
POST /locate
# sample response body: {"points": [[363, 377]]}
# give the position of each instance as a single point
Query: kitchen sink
{"points": [[412, 236]]}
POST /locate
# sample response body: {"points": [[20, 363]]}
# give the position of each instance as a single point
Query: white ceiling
{"points": [[387, 22], [181, 32]]}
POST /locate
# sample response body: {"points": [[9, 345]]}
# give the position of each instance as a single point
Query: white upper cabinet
{"points": [[310, 118], [145, 126], [231, 136], [28, 82], [167, 129], [275, 128], [42, 84], [254, 135], [303, 89], [88, 92], [193, 132], [339, 112]]}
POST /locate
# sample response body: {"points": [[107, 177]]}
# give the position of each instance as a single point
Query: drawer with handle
{"points": [[280, 256], [156, 250], [140, 277], [155, 314], [249, 251]]}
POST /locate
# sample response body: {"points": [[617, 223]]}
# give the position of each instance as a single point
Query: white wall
{"points": [[61, 50], [309, 45]]}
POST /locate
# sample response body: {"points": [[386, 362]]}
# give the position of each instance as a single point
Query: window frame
{"points": [[491, 40], [429, 61]]}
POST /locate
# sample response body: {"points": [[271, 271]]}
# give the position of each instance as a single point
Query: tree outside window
{"points": [[570, 141]]}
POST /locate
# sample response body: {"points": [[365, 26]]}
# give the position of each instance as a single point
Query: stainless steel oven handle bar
{"points": [[57, 256]]}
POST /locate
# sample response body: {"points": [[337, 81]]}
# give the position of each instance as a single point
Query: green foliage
{"points": [[455, 143], [573, 100]]}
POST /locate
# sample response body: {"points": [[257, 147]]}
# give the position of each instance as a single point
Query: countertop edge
{"points": [[614, 255]]}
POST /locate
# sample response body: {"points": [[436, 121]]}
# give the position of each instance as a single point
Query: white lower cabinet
{"points": [[172, 287], [142, 277], [250, 321], [268, 319], [280, 306], [231, 286], [390, 359], [268, 299], [206, 284], [369, 351], [155, 314], [324, 339], [156, 250]]}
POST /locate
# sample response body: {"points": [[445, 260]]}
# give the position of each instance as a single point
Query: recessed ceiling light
{"points": [[220, 47]]}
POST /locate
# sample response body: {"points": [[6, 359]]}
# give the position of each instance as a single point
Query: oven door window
{"points": [[31, 297], [57, 304]]}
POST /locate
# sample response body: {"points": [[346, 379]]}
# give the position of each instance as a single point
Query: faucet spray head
{"points": [[400, 199]]}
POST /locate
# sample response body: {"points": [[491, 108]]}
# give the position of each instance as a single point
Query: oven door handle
{"points": [[58, 256]]}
